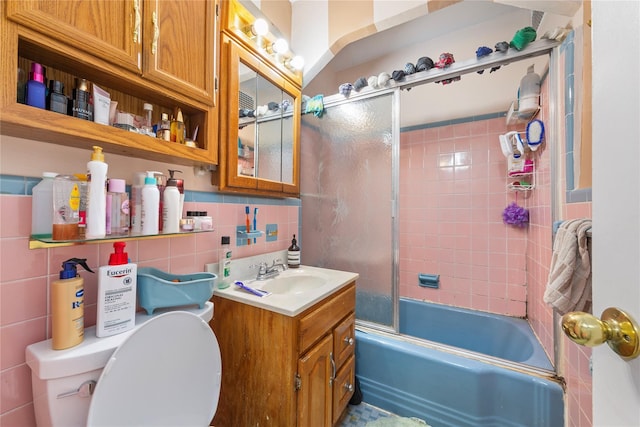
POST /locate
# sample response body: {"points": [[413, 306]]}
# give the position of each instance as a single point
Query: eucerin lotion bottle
{"points": [[116, 294]]}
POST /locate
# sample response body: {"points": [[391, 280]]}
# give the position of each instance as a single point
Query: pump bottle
{"points": [[171, 212], [97, 195], [150, 205], [67, 306], [116, 311], [293, 254]]}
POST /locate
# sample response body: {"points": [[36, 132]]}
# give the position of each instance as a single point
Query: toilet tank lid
{"points": [[93, 353]]}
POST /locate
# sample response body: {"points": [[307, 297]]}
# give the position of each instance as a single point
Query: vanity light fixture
{"points": [[280, 46], [260, 28], [296, 63]]}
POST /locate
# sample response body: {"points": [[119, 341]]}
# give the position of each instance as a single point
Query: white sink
{"points": [[292, 291], [292, 282]]}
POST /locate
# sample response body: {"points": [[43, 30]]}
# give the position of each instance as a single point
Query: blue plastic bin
{"points": [[158, 289]]}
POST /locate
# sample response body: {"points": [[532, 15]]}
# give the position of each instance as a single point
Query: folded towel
{"points": [[569, 283]]}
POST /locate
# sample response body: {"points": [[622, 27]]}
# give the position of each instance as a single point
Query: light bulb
{"points": [[297, 62], [280, 46], [260, 27]]}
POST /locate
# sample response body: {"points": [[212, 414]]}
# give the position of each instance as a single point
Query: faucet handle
{"points": [[262, 267], [276, 261]]}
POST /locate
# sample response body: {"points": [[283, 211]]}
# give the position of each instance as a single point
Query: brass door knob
{"points": [[617, 328]]}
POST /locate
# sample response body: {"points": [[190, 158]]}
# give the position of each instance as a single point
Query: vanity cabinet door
{"points": [[315, 401], [180, 46], [110, 30]]}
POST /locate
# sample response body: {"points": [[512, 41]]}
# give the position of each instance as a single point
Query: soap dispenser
{"points": [[67, 305], [171, 212], [293, 254]]}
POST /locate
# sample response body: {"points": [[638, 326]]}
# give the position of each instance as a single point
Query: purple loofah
{"points": [[515, 215]]}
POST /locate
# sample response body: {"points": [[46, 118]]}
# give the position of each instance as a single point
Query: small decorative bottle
{"points": [[57, 100], [293, 255]]}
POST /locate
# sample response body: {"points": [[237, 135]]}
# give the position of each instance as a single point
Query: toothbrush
{"points": [[258, 292], [246, 211], [255, 221]]}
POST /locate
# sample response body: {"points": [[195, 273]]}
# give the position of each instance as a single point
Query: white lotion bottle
{"points": [[96, 195], [116, 312], [171, 212], [150, 205]]}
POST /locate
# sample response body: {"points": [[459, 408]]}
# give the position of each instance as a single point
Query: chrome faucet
{"points": [[267, 272]]}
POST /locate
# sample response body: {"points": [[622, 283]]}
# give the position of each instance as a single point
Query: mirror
{"points": [[265, 128], [260, 124]]}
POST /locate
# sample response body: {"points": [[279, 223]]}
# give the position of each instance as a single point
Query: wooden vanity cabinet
{"points": [[279, 370], [141, 51]]}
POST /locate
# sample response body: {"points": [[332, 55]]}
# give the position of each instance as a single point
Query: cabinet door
{"points": [[180, 46], [315, 394], [107, 29]]}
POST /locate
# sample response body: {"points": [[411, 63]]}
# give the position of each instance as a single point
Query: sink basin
{"points": [[292, 291], [294, 284]]}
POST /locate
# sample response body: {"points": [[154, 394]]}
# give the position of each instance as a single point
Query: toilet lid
{"points": [[167, 373]]}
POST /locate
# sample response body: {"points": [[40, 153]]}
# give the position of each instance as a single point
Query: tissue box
{"points": [[158, 289]]}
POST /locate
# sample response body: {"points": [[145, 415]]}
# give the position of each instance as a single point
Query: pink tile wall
{"points": [[574, 361], [452, 194], [25, 276]]}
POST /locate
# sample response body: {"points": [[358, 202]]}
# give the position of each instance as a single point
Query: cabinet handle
{"points": [[136, 27], [156, 33], [333, 369], [348, 387], [348, 340]]}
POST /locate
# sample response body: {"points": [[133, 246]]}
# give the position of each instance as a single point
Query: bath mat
{"points": [[397, 422]]}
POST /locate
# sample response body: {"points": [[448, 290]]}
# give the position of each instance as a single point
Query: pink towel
{"points": [[569, 284]]}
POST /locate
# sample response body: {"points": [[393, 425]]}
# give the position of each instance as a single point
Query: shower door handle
{"points": [[617, 328]]}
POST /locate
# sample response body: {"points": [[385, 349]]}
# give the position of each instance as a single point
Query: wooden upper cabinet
{"points": [[110, 30], [179, 39]]}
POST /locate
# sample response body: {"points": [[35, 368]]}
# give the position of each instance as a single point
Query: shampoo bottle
{"points": [[171, 213], [97, 195], [293, 254], [150, 205], [67, 306], [116, 294]]}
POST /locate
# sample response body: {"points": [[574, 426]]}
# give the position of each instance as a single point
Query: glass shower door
{"points": [[348, 196]]}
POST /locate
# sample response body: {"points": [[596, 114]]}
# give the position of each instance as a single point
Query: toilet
{"points": [[164, 372]]}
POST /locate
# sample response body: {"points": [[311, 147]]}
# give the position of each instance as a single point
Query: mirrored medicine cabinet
{"points": [[260, 120]]}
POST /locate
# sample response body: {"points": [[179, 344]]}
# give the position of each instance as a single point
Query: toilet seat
{"points": [[167, 373]]}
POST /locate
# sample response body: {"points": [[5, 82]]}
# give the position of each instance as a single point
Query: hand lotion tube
{"points": [[116, 294]]}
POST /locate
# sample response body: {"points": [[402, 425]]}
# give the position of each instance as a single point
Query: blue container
{"points": [[157, 289]]}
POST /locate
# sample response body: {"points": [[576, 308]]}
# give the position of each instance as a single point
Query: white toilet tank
{"points": [[57, 374]]}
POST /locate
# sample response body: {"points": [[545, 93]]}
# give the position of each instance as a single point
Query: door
{"points": [[616, 202]]}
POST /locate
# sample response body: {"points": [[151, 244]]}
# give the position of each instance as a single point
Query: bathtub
{"points": [[505, 337], [445, 388]]}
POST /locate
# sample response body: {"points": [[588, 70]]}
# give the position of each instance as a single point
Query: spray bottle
{"points": [[67, 305]]}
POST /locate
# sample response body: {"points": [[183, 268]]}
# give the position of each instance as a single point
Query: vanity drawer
{"points": [[343, 387], [323, 317], [344, 339]]}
